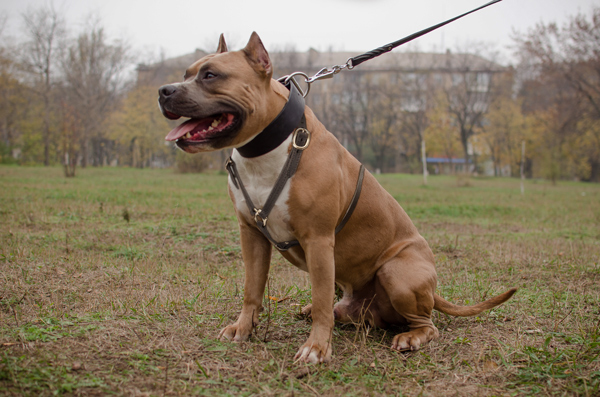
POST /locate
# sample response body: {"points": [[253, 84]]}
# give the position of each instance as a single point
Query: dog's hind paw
{"points": [[306, 310], [414, 339]]}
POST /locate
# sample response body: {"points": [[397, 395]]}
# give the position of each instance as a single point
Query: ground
{"points": [[119, 280]]}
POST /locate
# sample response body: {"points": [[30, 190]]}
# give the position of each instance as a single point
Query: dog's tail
{"points": [[444, 306]]}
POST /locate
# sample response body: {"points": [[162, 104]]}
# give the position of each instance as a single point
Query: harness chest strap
{"points": [[300, 141]]}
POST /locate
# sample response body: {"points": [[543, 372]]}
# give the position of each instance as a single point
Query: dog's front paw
{"points": [[235, 333], [314, 352]]}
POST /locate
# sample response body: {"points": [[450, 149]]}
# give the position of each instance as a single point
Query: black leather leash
{"points": [[290, 120], [357, 60], [351, 63]]}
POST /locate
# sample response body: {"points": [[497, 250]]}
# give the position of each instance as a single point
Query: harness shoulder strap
{"points": [[354, 201]]}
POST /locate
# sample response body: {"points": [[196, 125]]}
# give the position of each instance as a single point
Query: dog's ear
{"points": [[222, 45], [258, 56]]}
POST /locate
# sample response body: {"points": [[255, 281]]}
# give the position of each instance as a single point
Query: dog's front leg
{"points": [[256, 253], [321, 269]]}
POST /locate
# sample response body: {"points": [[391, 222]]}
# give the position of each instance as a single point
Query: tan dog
{"points": [[382, 264]]}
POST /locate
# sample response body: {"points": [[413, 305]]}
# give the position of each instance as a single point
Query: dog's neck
{"points": [[279, 129]]}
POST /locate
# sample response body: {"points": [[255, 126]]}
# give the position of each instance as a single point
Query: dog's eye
{"points": [[208, 76]]}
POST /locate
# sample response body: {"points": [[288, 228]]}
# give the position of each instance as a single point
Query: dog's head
{"points": [[223, 95]]}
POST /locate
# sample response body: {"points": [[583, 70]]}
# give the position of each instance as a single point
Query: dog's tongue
{"points": [[189, 126]]}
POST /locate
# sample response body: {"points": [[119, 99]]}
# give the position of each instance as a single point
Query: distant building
{"points": [[441, 69]]}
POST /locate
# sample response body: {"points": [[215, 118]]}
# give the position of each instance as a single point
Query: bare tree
{"points": [[441, 133], [567, 60], [384, 122], [94, 78], [505, 127], [351, 103], [468, 100], [45, 29], [418, 92], [13, 96]]}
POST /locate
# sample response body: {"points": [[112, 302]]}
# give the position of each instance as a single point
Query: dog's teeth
{"points": [[188, 135], [216, 122], [210, 128]]}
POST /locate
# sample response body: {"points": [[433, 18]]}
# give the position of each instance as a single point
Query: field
{"points": [[119, 280]]}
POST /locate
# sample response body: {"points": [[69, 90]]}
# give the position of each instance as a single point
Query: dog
{"points": [[384, 267]]}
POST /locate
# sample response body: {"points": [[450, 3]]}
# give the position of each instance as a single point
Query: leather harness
{"points": [[291, 120]]}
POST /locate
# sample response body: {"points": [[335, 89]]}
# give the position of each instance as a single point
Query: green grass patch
{"points": [[118, 281]]}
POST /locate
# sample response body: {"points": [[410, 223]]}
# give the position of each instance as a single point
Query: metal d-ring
{"points": [[291, 78]]}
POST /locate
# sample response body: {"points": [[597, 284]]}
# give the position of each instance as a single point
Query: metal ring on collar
{"points": [[291, 78], [294, 144]]}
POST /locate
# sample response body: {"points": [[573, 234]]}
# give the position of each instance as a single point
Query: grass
{"points": [[119, 280]]}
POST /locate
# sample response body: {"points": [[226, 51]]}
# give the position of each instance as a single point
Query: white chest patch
{"points": [[259, 175]]}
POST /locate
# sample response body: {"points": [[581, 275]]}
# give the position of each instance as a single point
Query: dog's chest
{"points": [[259, 175]]}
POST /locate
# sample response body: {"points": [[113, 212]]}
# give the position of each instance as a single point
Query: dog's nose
{"points": [[167, 90]]}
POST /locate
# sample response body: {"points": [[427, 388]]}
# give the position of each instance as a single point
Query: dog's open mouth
{"points": [[201, 130]]}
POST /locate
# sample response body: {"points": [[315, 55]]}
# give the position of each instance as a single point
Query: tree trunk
{"points": [[424, 161]]}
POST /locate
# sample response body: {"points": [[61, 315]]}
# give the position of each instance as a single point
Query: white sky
{"points": [[177, 27]]}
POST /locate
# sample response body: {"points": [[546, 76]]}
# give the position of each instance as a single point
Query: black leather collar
{"points": [[280, 128]]}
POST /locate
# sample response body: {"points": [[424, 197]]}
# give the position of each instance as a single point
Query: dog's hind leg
{"points": [[256, 252], [409, 281]]}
